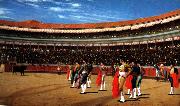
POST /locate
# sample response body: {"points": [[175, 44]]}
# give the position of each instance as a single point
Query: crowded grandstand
{"points": [[148, 40]]}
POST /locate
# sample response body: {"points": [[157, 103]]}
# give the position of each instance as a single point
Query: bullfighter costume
{"points": [[119, 80], [173, 78], [89, 69], [135, 72], [75, 75], [100, 81], [83, 79], [157, 72], [139, 79], [163, 71]]}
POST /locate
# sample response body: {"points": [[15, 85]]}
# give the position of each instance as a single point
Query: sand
{"points": [[46, 89]]}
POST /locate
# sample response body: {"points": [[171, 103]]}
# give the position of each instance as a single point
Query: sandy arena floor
{"points": [[43, 89]]}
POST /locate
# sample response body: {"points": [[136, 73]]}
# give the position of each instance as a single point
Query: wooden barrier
{"points": [[149, 71]]}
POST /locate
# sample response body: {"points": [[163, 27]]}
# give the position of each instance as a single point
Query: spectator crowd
{"points": [[163, 52]]}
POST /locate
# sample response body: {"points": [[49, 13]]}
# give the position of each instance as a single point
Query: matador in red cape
{"points": [[173, 78], [119, 81], [100, 81]]}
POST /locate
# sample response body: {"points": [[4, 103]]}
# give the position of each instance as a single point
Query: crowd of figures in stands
{"points": [[154, 53], [126, 74]]}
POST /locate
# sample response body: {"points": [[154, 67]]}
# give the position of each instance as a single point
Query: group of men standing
{"points": [[80, 75], [131, 74], [171, 75], [127, 74], [161, 72]]}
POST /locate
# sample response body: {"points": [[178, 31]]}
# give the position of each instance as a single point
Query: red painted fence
{"points": [[149, 71]]}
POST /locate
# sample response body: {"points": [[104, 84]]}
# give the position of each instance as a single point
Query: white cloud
{"points": [[92, 17], [34, 1], [78, 16], [57, 2], [6, 17], [75, 4], [58, 9], [4, 12], [61, 16], [101, 16], [86, 18], [33, 5]]}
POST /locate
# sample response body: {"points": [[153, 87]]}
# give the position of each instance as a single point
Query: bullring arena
{"points": [[37, 89], [45, 51]]}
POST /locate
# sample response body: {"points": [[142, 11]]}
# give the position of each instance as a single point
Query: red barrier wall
{"points": [[149, 71]]}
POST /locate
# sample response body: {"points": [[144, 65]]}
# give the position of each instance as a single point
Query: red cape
{"points": [[99, 77], [128, 83], [175, 80], [115, 85]]}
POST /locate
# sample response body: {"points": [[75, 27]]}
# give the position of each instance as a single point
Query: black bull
{"points": [[19, 68]]}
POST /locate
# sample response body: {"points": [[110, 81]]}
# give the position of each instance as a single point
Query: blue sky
{"points": [[83, 11]]}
